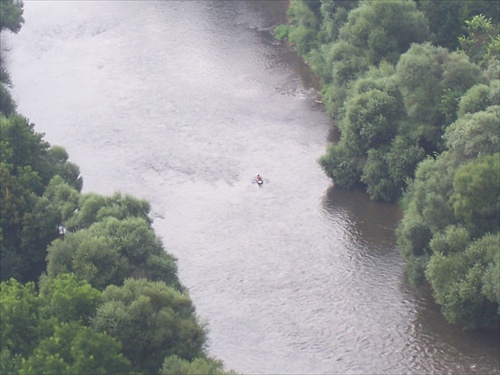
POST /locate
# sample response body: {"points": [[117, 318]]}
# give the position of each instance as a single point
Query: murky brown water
{"points": [[182, 103]]}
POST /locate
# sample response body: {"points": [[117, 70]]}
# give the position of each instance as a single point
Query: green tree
{"points": [[370, 150], [445, 21], [68, 171], [342, 165], [427, 211], [372, 119], [376, 176], [93, 208], [90, 256], [32, 202], [480, 43], [447, 18], [152, 320], [475, 134], [16, 201], [11, 15], [86, 214], [112, 249], [491, 279], [305, 23], [402, 159], [476, 199], [452, 240], [385, 29], [28, 316], [389, 167], [458, 279], [176, 365], [476, 99], [7, 105], [19, 326], [65, 299], [40, 226], [334, 14], [74, 349], [27, 147], [432, 80], [449, 233]]}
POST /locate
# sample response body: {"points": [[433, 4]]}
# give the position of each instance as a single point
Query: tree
{"points": [[40, 226], [481, 42], [28, 147], [432, 80], [372, 119], [389, 167], [427, 211], [491, 279], [74, 349], [65, 299], [11, 15], [458, 279], [346, 62], [15, 201], [342, 165], [370, 150], [28, 316], [334, 14], [90, 257], [476, 99], [152, 320], [377, 178], [475, 199], [305, 23], [447, 18], [475, 134], [402, 160], [68, 171], [112, 249], [454, 239], [385, 29], [86, 213], [19, 317], [445, 21], [93, 208], [7, 105], [176, 365], [449, 233]]}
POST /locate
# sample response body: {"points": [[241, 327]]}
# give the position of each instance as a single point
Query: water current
{"points": [[182, 103]]}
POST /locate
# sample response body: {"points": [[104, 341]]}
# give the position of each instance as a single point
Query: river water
{"points": [[182, 103]]}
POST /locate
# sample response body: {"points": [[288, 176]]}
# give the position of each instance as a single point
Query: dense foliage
{"points": [[86, 285], [413, 87], [11, 15]]}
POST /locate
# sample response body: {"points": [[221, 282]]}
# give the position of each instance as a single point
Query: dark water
{"points": [[182, 103]]}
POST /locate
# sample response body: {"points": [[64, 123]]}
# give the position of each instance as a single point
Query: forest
{"points": [[86, 284], [413, 88]]}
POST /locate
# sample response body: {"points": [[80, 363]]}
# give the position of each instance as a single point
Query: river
{"points": [[182, 103]]}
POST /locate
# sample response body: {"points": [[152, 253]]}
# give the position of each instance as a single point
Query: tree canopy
{"points": [[11, 15], [413, 88]]}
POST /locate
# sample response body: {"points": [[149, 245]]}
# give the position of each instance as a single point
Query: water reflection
{"points": [[451, 348], [372, 222], [417, 333]]}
